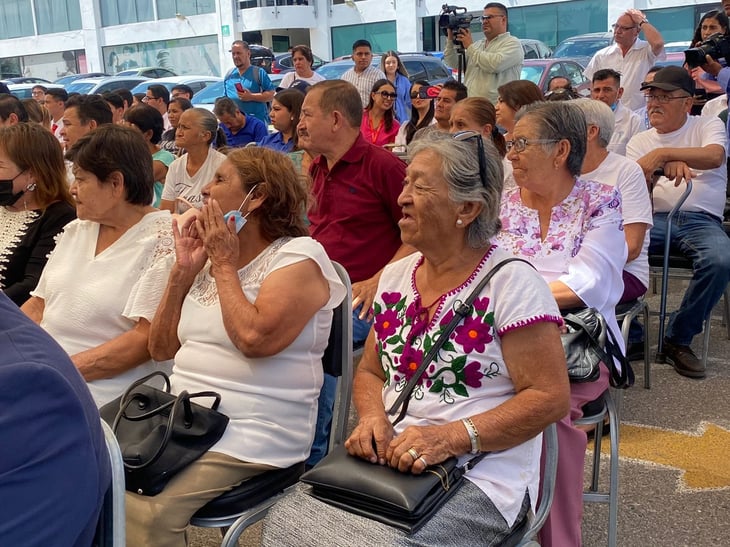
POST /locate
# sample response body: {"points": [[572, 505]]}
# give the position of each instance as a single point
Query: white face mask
{"points": [[237, 215]]}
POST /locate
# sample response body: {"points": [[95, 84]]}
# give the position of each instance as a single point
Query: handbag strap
{"points": [[461, 310]]}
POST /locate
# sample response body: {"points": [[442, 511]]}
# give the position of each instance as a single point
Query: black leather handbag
{"points": [[384, 494], [588, 343], [159, 433]]}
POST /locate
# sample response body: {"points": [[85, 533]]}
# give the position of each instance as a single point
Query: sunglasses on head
{"points": [[473, 136]]}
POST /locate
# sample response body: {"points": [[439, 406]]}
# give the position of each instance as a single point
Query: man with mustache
{"points": [[686, 147]]}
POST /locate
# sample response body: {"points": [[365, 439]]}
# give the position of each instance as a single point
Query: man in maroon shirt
{"points": [[355, 215]]}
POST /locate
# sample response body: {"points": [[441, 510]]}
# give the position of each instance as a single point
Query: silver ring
{"points": [[423, 461], [412, 452]]}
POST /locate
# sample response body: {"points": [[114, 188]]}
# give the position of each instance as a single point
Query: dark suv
{"points": [[283, 63], [418, 65], [261, 56]]}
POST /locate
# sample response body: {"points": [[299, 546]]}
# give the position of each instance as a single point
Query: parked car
{"points": [[73, 77], [25, 80], [535, 49], [88, 86], [148, 72], [676, 47], [23, 91], [582, 47], [261, 56], [419, 67], [207, 96], [283, 63], [541, 71], [196, 83], [674, 58]]}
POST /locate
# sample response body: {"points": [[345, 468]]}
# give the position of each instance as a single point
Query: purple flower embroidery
{"points": [[448, 316], [481, 304], [473, 335], [472, 375], [386, 323], [409, 361], [391, 298]]}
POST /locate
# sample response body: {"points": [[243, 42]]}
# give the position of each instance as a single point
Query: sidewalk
{"points": [[675, 456]]}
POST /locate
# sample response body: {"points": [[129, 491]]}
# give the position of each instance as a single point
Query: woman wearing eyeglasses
{"points": [[481, 393], [396, 73], [571, 230], [379, 125]]}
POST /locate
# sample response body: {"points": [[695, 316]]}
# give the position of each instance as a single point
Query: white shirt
{"points": [[57, 131], [627, 176], [627, 125], [708, 190], [633, 68], [179, 184], [271, 401], [166, 121], [363, 81], [92, 298], [289, 78]]}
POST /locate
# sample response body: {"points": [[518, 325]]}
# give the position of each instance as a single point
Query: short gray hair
{"points": [[557, 121], [460, 169], [599, 114]]}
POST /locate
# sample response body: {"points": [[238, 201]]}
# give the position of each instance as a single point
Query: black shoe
{"points": [[683, 359], [635, 351]]}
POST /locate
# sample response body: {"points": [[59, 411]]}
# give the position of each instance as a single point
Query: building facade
{"points": [[54, 38]]}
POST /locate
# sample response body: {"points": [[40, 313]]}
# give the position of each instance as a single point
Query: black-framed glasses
{"points": [[489, 17], [465, 136], [387, 95], [521, 143]]}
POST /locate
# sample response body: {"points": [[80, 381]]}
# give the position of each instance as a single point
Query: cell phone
{"points": [[430, 92], [239, 87]]}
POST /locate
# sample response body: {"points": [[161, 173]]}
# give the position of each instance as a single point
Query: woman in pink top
{"points": [[379, 125]]}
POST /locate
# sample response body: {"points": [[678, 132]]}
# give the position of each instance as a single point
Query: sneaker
{"points": [[683, 359], [635, 351]]}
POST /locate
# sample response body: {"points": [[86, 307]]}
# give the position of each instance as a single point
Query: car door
{"points": [[416, 70], [574, 72], [437, 71]]}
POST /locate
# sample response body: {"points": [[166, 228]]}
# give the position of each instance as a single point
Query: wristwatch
{"points": [[642, 22]]}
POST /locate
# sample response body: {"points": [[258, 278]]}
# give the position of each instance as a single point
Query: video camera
{"points": [[454, 18], [716, 46]]}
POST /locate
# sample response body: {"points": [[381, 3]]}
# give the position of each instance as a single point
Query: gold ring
{"points": [[423, 461], [412, 452]]}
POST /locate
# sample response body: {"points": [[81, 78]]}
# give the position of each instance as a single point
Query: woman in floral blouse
{"points": [[572, 232], [482, 393]]}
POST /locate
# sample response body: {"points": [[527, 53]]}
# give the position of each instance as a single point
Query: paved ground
{"points": [[675, 457]]}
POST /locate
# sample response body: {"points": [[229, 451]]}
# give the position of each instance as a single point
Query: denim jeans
{"points": [[701, 238]]}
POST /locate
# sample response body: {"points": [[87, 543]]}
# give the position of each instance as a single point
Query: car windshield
{"points": [[80, 87], [209, 94], [580, 48], [532, 73], [333, 71]]}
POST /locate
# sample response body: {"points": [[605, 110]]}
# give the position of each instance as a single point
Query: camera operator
{"points": [[491, 62]]}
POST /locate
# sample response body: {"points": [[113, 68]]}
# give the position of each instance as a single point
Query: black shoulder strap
{"points": [[461, 310]]}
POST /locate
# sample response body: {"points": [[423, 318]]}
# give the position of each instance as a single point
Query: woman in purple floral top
{"points": [[497, 382], [571, 230]]}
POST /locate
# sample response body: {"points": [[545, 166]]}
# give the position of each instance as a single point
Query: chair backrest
{"points": [[337, 361], [112, 521]]}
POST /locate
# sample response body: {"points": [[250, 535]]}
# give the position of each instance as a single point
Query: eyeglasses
{"points": [[663, 99], [520, 144], [414, 94], [622, 28], [484, 18], [465, 136], [147, 98], [386, 95]]}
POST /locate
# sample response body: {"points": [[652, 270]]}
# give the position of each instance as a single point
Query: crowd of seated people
{"points": [[173, 231]]}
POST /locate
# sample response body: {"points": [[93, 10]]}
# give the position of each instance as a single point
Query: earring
{"points": [[32, 186], [459, 222]]}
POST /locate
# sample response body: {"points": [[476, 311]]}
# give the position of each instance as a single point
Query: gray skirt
{"points": [[469, 518]]}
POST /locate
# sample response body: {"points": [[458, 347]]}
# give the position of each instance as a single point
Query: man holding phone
{"points": [[249, 86], [491, 62]]}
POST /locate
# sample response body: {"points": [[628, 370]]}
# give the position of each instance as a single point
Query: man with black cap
{"points": [[686, 147]]}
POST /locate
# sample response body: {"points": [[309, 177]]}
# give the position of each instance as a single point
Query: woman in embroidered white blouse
{"points": [[246, 313], [100, 288]]}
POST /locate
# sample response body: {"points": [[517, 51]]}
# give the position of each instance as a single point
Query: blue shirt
{"points": [[276, 142], [248, 80], [403, 99], [253, 131]]}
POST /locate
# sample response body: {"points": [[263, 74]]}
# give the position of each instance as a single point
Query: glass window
{"points": [[382, 37], [122, 12], [16, 19], [167, 9], [57, 15], [575, 73], [678, 24], [552, 23], [197, 55], [416, 70]]}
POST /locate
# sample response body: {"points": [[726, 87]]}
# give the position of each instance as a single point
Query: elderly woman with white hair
{"points": [[481, 393], [570, 229]]}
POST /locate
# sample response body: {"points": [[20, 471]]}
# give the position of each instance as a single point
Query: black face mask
{"points": [[6, 192]]}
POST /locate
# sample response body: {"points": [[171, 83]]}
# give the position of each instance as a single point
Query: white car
{"points": [[88, 86], [196, 83], [23, 91]]}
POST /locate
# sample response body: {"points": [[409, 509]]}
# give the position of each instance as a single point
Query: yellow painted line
{"points": [[703, 456]]}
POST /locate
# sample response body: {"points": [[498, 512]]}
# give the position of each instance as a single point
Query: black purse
{"points": [[159, 433], [587, 344], [384, 494]]}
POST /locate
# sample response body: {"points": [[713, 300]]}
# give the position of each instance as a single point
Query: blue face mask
{"points": [[239, 217], [614, 106]]}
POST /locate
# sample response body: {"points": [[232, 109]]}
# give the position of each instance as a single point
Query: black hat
{"points": [[671, 78]]}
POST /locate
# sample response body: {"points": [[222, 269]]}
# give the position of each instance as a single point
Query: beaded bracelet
{"points": [[473, 435]]}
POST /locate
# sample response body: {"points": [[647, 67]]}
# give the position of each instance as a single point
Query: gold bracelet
{"points": [[471, 429]]}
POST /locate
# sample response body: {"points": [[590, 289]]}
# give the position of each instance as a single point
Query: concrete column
{"points": [[91, 28], [408, 26], [320, 38]]}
